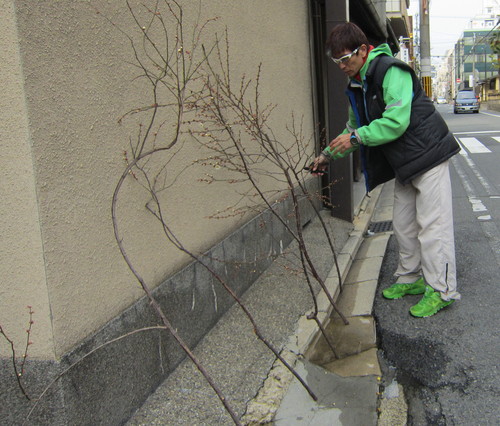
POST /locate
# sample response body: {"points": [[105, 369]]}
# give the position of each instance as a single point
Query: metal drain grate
{"points": [[377, 227]]}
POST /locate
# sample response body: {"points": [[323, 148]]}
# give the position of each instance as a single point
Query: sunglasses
{"points": [[345, 59]]}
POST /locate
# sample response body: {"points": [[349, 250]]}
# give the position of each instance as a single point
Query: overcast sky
{"points": [[448, 19]]}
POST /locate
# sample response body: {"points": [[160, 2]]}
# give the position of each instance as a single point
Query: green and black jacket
{"points": [[401, 133]]}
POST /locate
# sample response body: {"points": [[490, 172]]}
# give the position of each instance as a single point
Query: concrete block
{"points": [[382, 214], [387, 195], [359, 335], [345, 262], [362, 221], [332, 285], [306, 331], [364, 270], [357, 299], [352, 245], [373, 246], [324, 304], [341, 400], [362, 364]]}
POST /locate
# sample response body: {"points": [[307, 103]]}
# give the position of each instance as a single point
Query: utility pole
{"points": [[425, 48], [473, 78]]}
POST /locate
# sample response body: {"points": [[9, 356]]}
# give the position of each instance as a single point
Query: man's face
{"points": [[351, 64]]}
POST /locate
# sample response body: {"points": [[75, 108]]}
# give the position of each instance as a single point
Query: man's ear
{"points": [[363, 49]]}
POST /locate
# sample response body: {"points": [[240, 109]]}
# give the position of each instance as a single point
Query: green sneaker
{"points": [[397, 291], [429, 304]]}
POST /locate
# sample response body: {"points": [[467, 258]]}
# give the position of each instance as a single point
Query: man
{"points": [[401, 135]]}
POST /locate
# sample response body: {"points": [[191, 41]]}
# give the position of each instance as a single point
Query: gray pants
{"points": [[423, 226]]}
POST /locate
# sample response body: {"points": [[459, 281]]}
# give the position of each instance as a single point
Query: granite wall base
{"points": [[109, 375]]}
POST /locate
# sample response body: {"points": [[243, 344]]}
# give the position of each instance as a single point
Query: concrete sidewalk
{"points": [[259, 388], [349, 388]]}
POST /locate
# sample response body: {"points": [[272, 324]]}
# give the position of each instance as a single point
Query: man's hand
{"points": [[341, 144], [319, 164], [338, 145]]}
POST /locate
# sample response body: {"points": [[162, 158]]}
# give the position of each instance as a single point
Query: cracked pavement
{"points": [[448, 363]]}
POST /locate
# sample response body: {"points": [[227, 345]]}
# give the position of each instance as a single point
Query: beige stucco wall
{"points": [[22, 272], [68, 86]]}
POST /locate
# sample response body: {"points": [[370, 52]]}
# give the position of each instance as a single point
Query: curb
{"points": [[307, 330], [263, 408]]}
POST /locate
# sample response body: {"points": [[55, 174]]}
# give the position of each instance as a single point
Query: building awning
{"points": [[375, 25]]}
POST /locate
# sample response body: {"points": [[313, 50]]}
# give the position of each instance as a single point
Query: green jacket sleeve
{"points": [[398, 94], [352, 124]]}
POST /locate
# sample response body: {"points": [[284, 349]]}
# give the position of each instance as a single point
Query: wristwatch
{"points": [[354, 139]]}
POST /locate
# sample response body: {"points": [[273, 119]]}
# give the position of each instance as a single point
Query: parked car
{"points": [[465, 101], [441, 101]]}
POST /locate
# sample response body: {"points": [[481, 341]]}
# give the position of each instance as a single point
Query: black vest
{"points": [[426, 143]]}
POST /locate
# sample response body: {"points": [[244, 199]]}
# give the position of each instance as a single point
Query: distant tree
{"points": [[494, 41]]}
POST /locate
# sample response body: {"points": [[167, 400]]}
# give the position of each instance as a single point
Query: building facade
{"points": [[474, 59], [77, 100]]}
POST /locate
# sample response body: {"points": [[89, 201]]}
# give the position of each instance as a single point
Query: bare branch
{"points": [[19, 370]]}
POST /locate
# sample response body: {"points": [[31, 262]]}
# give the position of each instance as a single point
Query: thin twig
{"points": [[19, 371]]}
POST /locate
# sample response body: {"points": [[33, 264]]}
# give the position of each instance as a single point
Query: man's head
{"points": [[348, 47]]}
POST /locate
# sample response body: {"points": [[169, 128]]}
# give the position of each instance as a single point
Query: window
{"points": [[468, 94], [393, 6]]}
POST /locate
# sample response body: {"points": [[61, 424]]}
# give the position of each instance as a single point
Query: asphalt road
{"points": [[449, 363]]}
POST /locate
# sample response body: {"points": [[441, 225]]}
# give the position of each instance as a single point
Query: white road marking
{"points": [[488, 226], [475, 170], [473, 145], [482, 132], [476, 203], [492, 115]]}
